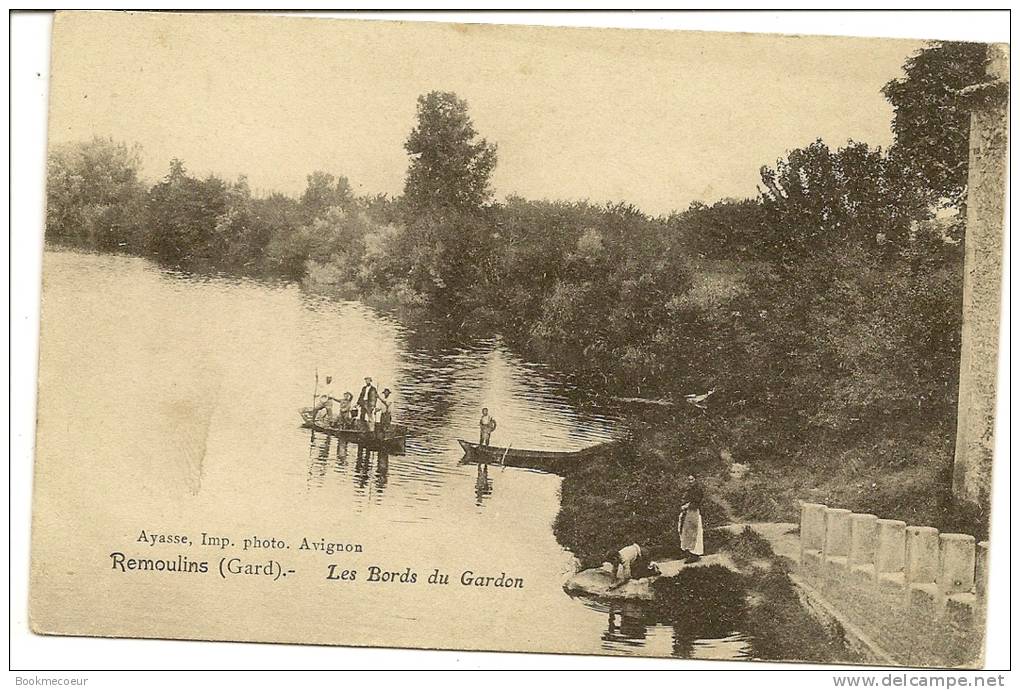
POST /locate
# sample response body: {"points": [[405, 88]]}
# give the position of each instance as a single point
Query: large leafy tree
{"points": [[931, 122], [450, 165], [817, 198], [182, 214], [94, 195], [445, 194], [246, 226]]}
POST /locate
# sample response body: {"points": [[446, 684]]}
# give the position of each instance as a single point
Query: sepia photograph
{"points": [[505, 338]]}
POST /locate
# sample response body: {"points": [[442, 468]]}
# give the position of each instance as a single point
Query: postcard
{"points": [[481, 337]]}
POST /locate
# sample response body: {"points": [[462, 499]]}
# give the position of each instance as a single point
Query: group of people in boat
{"points": [[634, 561], [371, 411]]}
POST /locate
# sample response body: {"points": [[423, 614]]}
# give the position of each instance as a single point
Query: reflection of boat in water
{"points": [[391, 440], [553, 461]]}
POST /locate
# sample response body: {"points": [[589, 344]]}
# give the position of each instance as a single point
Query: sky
{"points": [[655, 118]]}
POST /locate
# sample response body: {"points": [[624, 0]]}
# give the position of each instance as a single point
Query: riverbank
{"points": [[632, 493], [745, 586]]}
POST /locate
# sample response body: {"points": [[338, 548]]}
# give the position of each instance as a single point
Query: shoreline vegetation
{"points": [[823, 315]]}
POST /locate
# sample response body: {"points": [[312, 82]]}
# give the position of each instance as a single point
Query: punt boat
{"points": [[554, 461], [392, 440]]}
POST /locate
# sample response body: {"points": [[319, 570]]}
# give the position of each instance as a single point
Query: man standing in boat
{"points": [[486, 426], [386, 416], [367, 401], [692, 533]]}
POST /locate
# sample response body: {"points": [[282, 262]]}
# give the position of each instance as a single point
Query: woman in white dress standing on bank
{"points": [[692, 532]]}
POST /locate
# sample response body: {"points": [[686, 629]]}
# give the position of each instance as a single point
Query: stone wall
{"points": [[915, 595]]}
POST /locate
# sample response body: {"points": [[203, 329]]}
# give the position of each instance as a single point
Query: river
{"points": [[168, 402]]}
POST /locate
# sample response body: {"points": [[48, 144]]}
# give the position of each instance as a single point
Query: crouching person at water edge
{"points": [[692, 532], [631, 562]]}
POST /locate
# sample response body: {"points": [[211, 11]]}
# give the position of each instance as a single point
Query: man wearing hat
{"points": [[367, 400]]}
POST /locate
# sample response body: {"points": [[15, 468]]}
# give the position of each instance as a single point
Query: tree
{"points": [[817, 199], [245, 227], [931, 124], [450, 166], [445, 192], [93, 194], [325, 191], [182, 213]]}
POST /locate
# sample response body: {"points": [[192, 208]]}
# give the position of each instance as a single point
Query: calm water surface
{"points": [[191, 383]]}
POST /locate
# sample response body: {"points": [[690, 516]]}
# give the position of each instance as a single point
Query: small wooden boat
{"points": [[556, 462], [392, 440]]}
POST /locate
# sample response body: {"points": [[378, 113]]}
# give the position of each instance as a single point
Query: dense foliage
{"points": [[931, 122], [94, 197], [824, 314]]}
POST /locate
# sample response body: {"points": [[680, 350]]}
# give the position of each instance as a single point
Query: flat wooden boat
{"points": [[554, 461], [392, 440]]}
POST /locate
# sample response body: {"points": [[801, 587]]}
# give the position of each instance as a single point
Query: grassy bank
{"points": [[633, 492]]}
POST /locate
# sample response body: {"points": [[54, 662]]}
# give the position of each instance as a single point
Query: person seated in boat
{"points": [[631, 562], [343, 412], [386, 411], [367, 401], [692, 532], [487, 425]]}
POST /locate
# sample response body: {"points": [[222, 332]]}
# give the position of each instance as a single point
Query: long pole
{"points": [[315, 397]]}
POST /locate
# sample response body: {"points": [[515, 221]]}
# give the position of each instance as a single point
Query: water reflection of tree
{"points": [[438, 366], [427, 385]]}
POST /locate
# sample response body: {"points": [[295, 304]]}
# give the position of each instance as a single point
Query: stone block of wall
{"points": [[812, 539], [863, 539], [837, 547], [890, 550], [956, 563], [922, 555]]}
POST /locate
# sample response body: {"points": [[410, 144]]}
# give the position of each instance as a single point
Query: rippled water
{"points": [[169, 401]]}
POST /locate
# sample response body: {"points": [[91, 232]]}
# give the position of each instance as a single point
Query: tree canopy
{"points": [[450, 165], [930, 123], [94, 195]]}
